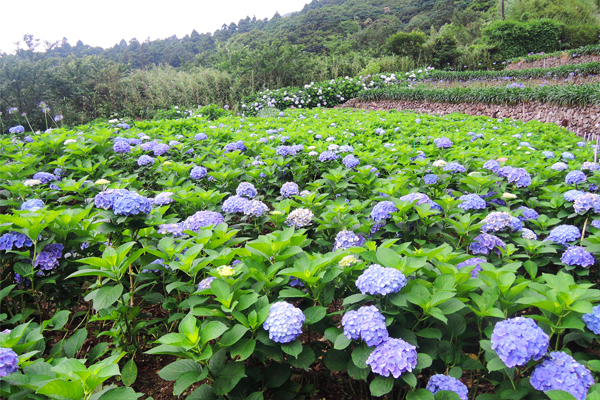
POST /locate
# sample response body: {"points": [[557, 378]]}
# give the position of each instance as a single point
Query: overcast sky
{"points": [[104, 23]]}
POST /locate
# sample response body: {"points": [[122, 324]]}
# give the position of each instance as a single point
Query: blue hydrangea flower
{"points": [[327, 156], [44, 177], [235, 204], [443, 143], [174, 143], [548, 154], [284, 322], [560, 371], [567, 156], [528, 234], [235, 146], [346, 239], [28, 139], [202, 219], [205, 283], [256, 208], [454, 167], [575, 177], [289, 189], [496, 221], [285, 151], [586, 202], [492, 165], [367, 324], [580, 144], [346, 149], [350, 161], [163, 198], [484, 243], [472, 202], [145, 160], [379, 280], [18, 240], [123, 125], [505, 171], [559, 166], [572, 195], [246, 189], [592, 320], [590, 166], [420, 155], [16, 129], [444, 382], [515, 224], [563, 234], [520, 177], [149, 146], [9, 361], [160, 149], [430, 179], [394, 356], [528, 213], [372, 169], [576, 255], [32, 205], [173, 229], [47, 259], [596, 224], [472, 261], [200, 136], [198, 172], [519, 340], [382, 210], [134, 141], [106, 199], [132, 204], [121, 147]]}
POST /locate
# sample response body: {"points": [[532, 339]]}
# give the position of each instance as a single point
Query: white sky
{"points": [[104, 23]]}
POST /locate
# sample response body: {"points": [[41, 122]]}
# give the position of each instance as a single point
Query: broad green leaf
{"points": [[381, 386]]}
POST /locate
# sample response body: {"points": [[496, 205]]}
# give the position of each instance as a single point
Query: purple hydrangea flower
{"points": [[327, 156], [123, 125], [200, 136], [160, 149], [430, 179], [596, 224], [350, 161], [560, 371], [132, 203], [505, 171], [202, 219], [520, 177], [559, 166], [284, 322], [518, 340], [576, 255], [44, 177], [346, 239], [16, 129], [528, 213], [443, 143], [420, 156], [235, 204], [32, 205], [285, 151], [592, 320], [379, 280], [444, 382], [528, 234], [484, 243], [163, 198], [18, 240], [492, 165], [289, 189], [198, 172], [575, 177], [515, 224], [472, 202], [145, 160], [205, 283], [382, 210], [9, 361], [121, 147], [454, 167], [149, 146], [367, 324], [48, 257], [235, 146], [567, 156], [496, 221], [548, 154], [586, 202], [590, 166], [134, 141], [246, 189], [394, 356], [473, 261], [563, 234], [173, 229]]}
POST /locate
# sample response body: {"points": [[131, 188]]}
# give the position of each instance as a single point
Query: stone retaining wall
{"points": [[584, 120], [553, 62]]}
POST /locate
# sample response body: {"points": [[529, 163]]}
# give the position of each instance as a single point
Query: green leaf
{"points": [[336, 360], [106, 296], [495, 364], [304, 360], [243, 348], [230, 376], [187, 379], [220, 289], [293, 348], [360, 355], [121, 393], [212, 330], [381, 386], [388, 257], [446, 352], [430, 333], [255, 396], [314, 314], [276, 375], [559, 395], [129, 373], [423, 360], [74, 343], [409, 378], [233, 335], [59, 387], [358, 373], [174, 370], [446, 395], [355, 298], [420, 394], [204, 392], [341, 342]]}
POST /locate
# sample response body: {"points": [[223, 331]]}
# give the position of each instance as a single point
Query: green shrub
{"points": [[513, 39], [580, 35], [407, 44]]}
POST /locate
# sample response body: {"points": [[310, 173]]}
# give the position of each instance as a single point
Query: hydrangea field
{"points": [[336, 254]]}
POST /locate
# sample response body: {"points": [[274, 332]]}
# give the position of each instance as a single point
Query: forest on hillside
{"points": [[325, 40]]}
